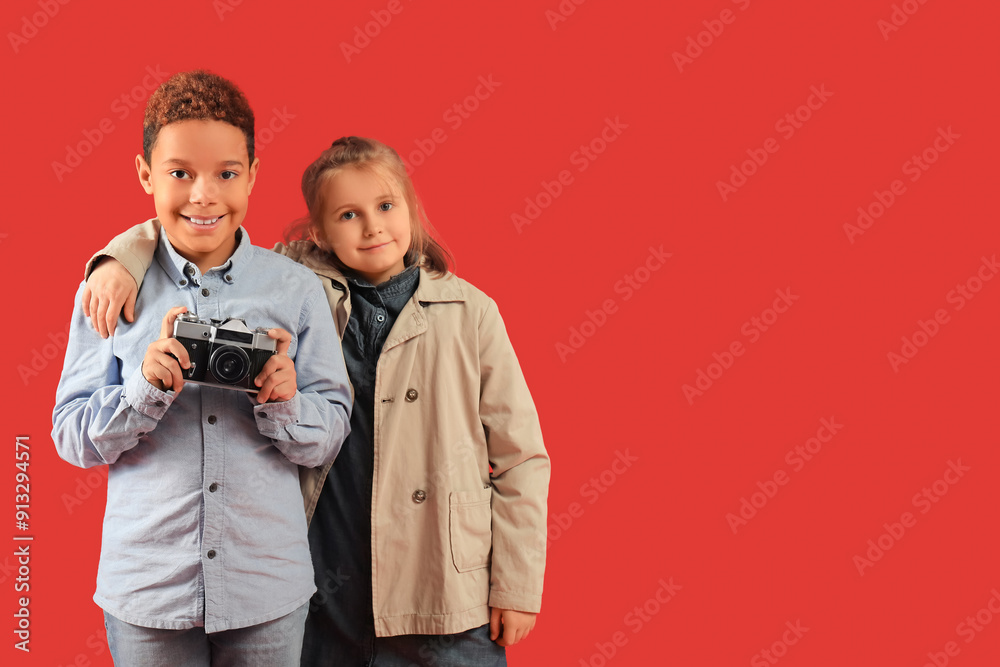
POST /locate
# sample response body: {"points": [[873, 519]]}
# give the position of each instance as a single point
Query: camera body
{"points": [[223, 353]]}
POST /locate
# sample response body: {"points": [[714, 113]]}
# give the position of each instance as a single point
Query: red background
{"points": [[656, 184]]}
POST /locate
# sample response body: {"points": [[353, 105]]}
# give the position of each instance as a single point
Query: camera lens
{"points": [[229, 364]]}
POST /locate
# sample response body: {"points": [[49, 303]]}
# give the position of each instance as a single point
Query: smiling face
{"points": [[200, 178], [365, 222]]}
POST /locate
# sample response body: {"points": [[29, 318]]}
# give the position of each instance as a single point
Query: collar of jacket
{"points": [[429, 290]]}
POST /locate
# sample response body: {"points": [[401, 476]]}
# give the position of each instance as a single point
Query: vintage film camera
{"points": [[224, 353]]}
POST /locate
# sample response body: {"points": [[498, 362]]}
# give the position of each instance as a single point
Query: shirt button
{"points": [[411, 395], [229, 278], [204, 291], [183, 282], [213, 487], [189, 270], [211, 553], [419, 496], [212, 419]]}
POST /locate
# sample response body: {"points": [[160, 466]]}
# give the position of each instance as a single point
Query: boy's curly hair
{"points": [[196, 95]]}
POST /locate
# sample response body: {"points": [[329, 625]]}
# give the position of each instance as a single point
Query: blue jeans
{"points": [[472, 648], [276, 643]]}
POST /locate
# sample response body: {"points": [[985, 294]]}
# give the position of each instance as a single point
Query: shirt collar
{"points": [[402, 282], [181, 271], [430, 289]]}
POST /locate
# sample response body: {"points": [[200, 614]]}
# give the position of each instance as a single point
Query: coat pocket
{"points": [[471, 519]]}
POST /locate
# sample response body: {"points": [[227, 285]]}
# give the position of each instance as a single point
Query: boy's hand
{"points": [[109, 286], [166, 357], [277, 378], [508, 627]]}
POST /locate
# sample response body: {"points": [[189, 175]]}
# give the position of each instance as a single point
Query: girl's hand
{"points": [[277, 378], [508, 627], [109, 286]]}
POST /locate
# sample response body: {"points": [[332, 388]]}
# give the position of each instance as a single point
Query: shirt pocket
{"points": [[470, 522]]}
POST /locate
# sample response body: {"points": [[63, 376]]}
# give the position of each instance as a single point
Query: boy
{"points": [[204, 556]]}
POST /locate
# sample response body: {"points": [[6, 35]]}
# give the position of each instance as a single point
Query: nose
{"points": [[373, 227], [204, 191]]}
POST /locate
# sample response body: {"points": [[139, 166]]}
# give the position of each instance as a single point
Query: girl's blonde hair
{"points": [[378, 158]]}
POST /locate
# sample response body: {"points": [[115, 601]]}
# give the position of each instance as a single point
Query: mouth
{"points": [[202, 221], [376, 247]]}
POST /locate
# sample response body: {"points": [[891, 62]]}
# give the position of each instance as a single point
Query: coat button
{"points": [[212, 419], [211, 553], [411, 395], [419, 496], [213, 487]]}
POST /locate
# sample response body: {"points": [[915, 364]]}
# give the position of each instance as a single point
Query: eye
{"points": [[348, 215], [385, 206], [179, 173], [228, 175]]}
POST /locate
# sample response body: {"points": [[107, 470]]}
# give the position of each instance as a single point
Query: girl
{"points": [[428, 531]]}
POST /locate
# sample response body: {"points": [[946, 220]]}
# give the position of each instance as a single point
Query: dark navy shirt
{"points": [[341, 626]]}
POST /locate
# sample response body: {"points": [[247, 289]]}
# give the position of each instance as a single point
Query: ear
{"points": [[316, 238], [145, 174], [253, 174]]}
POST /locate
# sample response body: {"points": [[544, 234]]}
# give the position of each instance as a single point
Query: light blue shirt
{"points": [[205, 523]]}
